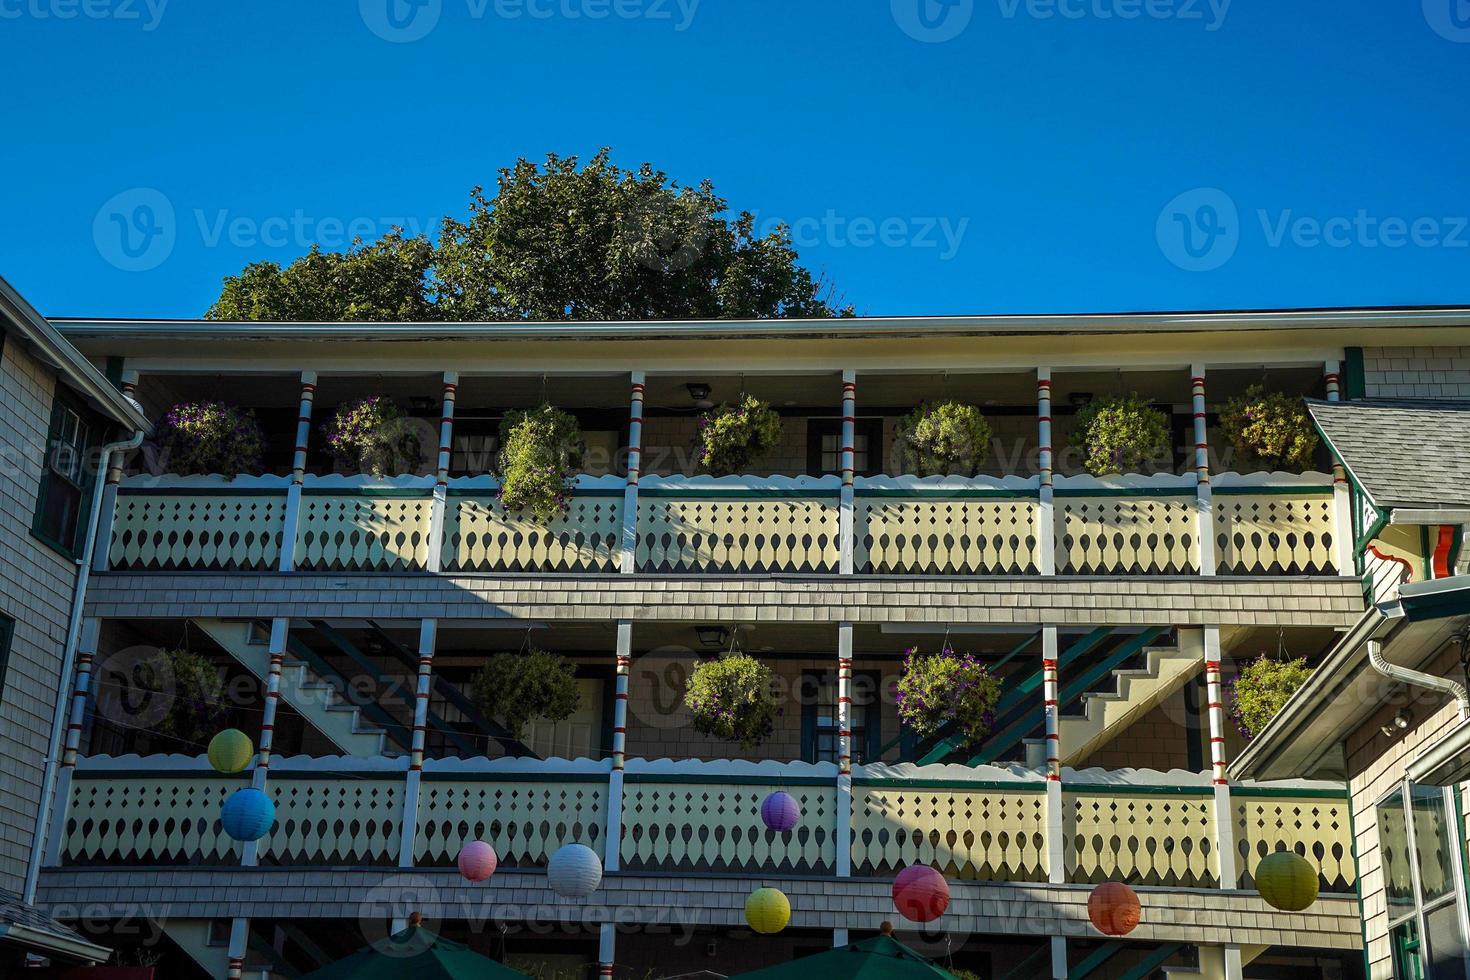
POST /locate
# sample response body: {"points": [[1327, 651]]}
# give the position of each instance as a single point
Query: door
{"points": [[575, 737]]}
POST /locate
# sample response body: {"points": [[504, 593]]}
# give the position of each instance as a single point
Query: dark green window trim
{"points": [[7, 633], [1354, 378], [69, 545]]}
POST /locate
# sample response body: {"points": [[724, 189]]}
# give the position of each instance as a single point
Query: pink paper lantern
{"points": [[780, 812], [477, 861], [920, 893]]}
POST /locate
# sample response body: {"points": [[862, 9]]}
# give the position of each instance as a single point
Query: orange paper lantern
{"points": [[1114, 909]]}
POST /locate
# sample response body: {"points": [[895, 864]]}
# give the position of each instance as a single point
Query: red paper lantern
{"points": [[1114, 909], [920, 893]]}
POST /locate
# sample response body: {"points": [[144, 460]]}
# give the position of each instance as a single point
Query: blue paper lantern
{"points": [[247, 815], [780, 812]]}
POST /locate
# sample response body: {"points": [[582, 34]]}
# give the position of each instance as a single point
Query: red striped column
{"points": [[1046, 528], [280, 630], [237, 968], [844, 716], [446, 426], [1050, 691], [303, 426], [1342, 499], [428, 633], [1215, 706], [1056, 851], [86, 655], [1201, 428], [844, 750], [635, 468], [847, 463], [620, 712], [1204, 499]]}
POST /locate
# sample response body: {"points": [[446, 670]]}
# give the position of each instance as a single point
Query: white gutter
{"points": [[1417, 678], [68, 660], [77, 949]]}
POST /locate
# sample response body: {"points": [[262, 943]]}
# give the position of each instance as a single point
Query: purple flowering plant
{"points": [[732, 437], [541, 451], [947, 687], [730, 698], [203, 438], [1270, 429], [1261, 689], [372, 435]]}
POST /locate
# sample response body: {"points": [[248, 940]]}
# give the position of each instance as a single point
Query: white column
{"points": [[1224, 811], [298, 472], [844, 750], [635, 468], [1204, 503], [239, 944], [1056, 851], [260, 775], [100, 557], [1046, 527], [435, 561], [1342, 501], [611, 859], [61, 801], [846, 529], [607, 949], [428, 637]]}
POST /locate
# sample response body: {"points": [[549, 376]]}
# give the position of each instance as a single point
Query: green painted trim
{"points": [[515, 777], [1272, 491], [1095, 960], [1110, 789], [113, 371], [972, 784], [1275, 792], [391, 493], [124, 491], [742, 494], [1358, 884], [1426, 554], [485, 492], [243, 777], [684, 779], [936, 494], [1354, 375], [1131, 492], [1145, 967]]}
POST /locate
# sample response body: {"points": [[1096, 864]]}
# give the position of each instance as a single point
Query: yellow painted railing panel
{"points": [[479, 536], [526, 822], [982, 834], [1275, 534], [159, 819], [1139, 839], [207, 531], [1317, 829], [357, 533], [945, 537], [1131, 535], [334, 821], [774, 534], [717, 827]]}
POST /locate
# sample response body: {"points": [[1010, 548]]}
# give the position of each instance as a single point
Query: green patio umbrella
{"points": [[417, 953], [880, 958]]}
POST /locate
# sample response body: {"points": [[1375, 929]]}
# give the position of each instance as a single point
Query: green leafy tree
{"points": [[519, 687], [559, 241]]}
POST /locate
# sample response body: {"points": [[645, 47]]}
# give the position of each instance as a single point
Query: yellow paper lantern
{"points": [[1287, 881], [767, 911], [230, 751]]}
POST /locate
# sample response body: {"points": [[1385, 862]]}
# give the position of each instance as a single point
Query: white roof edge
{"points": [[1101, 323], [77, 371]]}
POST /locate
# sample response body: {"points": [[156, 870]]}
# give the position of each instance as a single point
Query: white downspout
{"points": [[68, 660], [1418, 678]]}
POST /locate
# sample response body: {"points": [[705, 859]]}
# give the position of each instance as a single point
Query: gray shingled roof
{"points": [[1405, 454], [48, 934]]}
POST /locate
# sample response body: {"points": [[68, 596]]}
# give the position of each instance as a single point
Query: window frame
{"points": [[7, 637], [64, 401], [811, 680], [818, 426], [1421, 946]]}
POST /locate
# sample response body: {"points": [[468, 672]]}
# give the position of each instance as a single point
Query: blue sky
{"points": [[936, 156]]}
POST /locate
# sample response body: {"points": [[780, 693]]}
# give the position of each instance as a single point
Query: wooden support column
{"points": [[1056, 849], [607, 948], [435, 559], [1204, 501], [1224, 812], [844, 750], [260, 775], [77, 714], [102, 555], [298, 472], [239, 946], [1342, 501], [408, 839], [635, 468], [611, 858], [1046, 526], [846, 528]]}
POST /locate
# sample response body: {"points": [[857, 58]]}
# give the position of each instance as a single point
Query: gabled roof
{"points": [[1405, 455], [33, 930], [19, 318]]}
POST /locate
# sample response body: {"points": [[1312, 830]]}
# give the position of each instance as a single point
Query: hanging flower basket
{"points": [[194, 691], [1262, 690], [947, 687], [521, 687], [731, 438], [1272, 430], [373, 435], [541, 450], [943, 439], [730, 698], [205, 438], [1119, 433]]}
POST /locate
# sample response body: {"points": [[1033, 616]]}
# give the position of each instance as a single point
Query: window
{"points": [[824, 447], [66, 477], [819, 716], [1420, 851]]}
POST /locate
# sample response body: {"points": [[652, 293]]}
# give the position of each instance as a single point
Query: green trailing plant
{"points": [[1262, 689], [1119, 433], [194, 691], [203, 438], [942, 439], [1272, 429], [730, 698], [520, 687], [733, 437], [936, 690], [372, 435], [541, 450]]}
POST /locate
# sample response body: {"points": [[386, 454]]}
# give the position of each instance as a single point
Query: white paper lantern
{"points": [[575, 871]]}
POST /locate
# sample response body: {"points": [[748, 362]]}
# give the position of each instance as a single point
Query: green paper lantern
{"points": [[767, 911], [230, 751], [1287, 881]]}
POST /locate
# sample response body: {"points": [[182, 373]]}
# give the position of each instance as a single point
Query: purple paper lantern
{"points": [[780, 812]]}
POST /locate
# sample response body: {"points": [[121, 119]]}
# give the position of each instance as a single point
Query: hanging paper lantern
{"points": [[780, 811], [767, 911], [1287, 881], [230, 751], [575, 871], [1114, 909], [477, 861], [247, 815], [920, 893]]}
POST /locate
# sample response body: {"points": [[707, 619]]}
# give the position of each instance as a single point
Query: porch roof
{"points": [[31, 929], [1412, 455]]}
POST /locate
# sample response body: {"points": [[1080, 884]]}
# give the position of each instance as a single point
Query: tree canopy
{"points": [[559, 241]]}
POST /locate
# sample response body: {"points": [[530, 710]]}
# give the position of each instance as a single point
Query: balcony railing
{"points": [[704, 817], [1262, 525]]}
